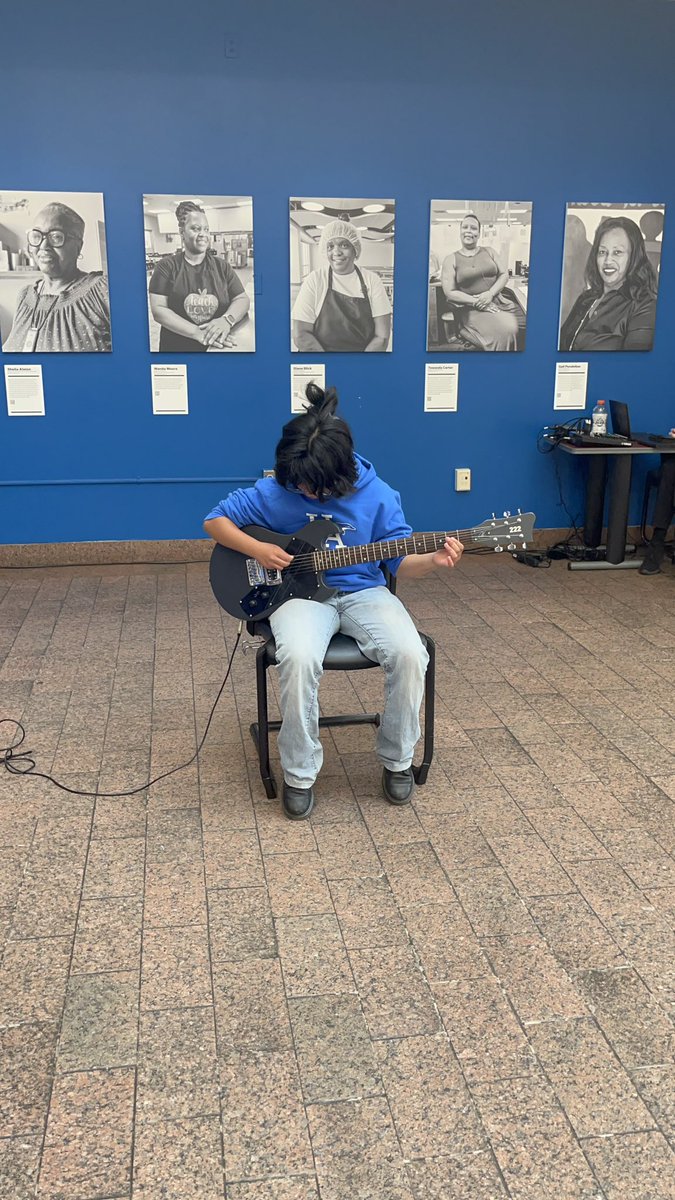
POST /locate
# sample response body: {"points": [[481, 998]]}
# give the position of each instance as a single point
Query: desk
{"points": [[619, 496]]}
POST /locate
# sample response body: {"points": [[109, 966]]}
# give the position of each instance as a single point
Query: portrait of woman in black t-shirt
{"points": [[195, 296]]}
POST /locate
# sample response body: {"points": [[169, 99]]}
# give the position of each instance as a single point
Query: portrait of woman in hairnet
{"points": [[342, 276]]}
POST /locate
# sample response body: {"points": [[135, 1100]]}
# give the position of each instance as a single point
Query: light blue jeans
{"points": [[385, 633]]}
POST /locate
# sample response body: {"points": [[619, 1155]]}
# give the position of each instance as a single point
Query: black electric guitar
{"points": [[246, 589]]}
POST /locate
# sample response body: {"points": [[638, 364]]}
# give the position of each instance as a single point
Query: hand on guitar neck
{"points": [[416, 566]]}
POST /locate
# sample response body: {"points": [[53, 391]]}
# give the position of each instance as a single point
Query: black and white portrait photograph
{"points": [[342, 275], [199, 265], [479, 266], [610, 276], [53, 273]]}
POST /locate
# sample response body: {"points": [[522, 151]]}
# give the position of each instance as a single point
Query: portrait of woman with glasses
{"points": [[63, 307]]}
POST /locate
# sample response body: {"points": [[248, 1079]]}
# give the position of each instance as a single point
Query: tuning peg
{"points": [[524, 545], [494, 518], [507, 514], [511, 546], [520, 512], [499, 549]]}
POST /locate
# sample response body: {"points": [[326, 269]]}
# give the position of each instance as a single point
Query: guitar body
{"points": [[248, 591]]}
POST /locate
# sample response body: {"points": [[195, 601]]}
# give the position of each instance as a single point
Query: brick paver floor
{"points": [[470, 998]]}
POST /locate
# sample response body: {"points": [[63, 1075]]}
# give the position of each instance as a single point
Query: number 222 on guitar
{"points": [[249, 591]]}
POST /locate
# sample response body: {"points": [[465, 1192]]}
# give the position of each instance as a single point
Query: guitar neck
{"points": [[417, 543]]}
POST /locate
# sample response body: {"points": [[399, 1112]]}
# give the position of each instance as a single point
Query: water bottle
{"points": [[599, 423]]}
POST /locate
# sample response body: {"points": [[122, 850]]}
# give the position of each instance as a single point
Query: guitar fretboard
{"points": [[417, 543]]}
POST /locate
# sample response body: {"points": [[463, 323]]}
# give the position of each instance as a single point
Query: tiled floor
{"points": [[467, 999]]}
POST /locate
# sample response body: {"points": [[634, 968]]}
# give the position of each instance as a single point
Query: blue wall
{"points": [[386, 98]]}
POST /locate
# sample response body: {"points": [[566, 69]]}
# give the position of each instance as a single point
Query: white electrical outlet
{"points": [[462, 479]]}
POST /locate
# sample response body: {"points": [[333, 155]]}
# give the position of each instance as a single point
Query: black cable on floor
{"points": [[22, 763]]}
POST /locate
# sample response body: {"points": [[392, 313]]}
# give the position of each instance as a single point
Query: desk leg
{"points": [[617, 517], [595, 499]]}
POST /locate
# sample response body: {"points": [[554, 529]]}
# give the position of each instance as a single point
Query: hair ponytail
{"points": [[324, 403], [316, 448]]}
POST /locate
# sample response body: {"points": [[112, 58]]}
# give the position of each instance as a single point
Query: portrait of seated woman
{"points": [[200, 294], [59, 305], [616, 309], [478, 298]]}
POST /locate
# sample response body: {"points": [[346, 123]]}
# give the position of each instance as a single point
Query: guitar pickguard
{"points": [[258, 600]]}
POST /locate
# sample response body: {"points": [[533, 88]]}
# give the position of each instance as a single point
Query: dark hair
{"points": [[640, 279], [184, 210], [316, 448], [473, 218]]}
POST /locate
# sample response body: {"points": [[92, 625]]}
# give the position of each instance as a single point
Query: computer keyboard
{"points": [[605, 439]]}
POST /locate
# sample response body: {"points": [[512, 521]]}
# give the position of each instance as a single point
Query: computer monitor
{"points": [[621, 425], [620, 418]]}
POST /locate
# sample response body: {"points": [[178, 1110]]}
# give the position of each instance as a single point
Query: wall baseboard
{"points": [[74, 554], [85, 554]]}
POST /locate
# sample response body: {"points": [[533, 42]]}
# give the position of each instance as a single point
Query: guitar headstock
{"points": [[512, 531]]}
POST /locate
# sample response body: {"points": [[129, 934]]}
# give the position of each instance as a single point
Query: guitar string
{"points": [[306, 560], [333, 560]]}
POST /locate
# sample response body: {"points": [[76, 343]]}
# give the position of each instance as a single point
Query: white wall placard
{"points": [[169, 389], [301, 375], [570, 385], [440, 387], [25, 394]]}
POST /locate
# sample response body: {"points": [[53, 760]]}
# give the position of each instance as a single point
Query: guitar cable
{"points": [[21, 762]]}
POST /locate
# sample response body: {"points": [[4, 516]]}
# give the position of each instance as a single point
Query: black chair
{"points": [[343, 654]]}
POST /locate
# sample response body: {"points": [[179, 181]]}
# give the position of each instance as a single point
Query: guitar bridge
{"points": [[257, 574]]}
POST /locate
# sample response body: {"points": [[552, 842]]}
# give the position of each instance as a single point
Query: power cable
{"points": [[23, 763]]}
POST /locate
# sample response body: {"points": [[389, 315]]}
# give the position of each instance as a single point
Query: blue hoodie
{"points": [[373, 510]]}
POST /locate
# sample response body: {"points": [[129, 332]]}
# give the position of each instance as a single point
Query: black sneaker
{"points": [[398, 785], [298, 802], [651, 563]]}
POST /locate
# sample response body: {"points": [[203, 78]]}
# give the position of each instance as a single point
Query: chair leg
{"points": [[260, 732], [645, 508], [420, 773]]}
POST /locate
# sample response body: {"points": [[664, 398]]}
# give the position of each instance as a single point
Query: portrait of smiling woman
{"points": [[616, 309], [53, 279], [199, 260], [342, 265]]}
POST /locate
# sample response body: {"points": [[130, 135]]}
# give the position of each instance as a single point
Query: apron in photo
{"points": [[344, 322]]}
